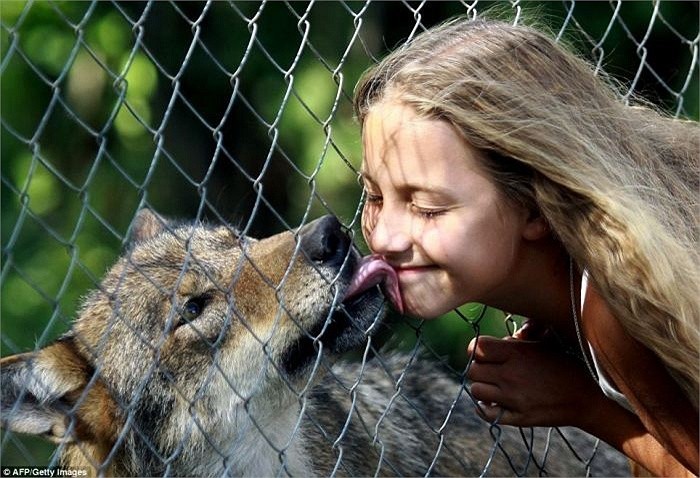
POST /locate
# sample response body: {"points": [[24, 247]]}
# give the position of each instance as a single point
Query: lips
{"points": [[371, 271]]}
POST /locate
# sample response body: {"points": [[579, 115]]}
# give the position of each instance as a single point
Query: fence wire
{"points": [[240, 112]]}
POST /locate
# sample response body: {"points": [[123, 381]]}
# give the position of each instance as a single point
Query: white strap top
{"points": [[603, 381]]}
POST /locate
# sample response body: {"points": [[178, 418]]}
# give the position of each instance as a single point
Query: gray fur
{"points": [[408, 410]]}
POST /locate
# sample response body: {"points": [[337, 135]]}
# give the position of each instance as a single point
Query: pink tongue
{"points": [[373, 270]]}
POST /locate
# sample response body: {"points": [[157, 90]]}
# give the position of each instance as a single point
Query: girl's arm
{"points": [[625, 431], [660, 404], [535, 384]]}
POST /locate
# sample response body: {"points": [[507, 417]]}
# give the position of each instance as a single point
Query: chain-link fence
{"points": [[240, 112]]}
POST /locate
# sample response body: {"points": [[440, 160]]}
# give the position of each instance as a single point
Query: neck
{"points": [[541, 290]]}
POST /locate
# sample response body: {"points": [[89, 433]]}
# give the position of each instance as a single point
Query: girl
{"points": [[498, 169]]}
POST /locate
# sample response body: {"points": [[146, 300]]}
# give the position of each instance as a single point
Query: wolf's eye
{"points": [[193, 308]]}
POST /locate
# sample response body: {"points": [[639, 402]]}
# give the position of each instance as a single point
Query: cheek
{"points": [[434, 243], [467, 247], [488, 257], [443, 241]]}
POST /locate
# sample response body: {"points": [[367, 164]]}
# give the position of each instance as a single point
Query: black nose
{"points": [[324, 241]]}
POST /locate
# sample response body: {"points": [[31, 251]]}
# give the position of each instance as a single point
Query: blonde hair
{"points": [[618, 184]]}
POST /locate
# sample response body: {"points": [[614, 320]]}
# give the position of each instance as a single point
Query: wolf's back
{"points": [[398, 416]]}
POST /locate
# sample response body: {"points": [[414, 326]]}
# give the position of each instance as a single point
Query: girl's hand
{"points": [[531, 330], [527, 383]]}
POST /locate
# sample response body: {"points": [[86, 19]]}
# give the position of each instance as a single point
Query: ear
{"points": [[536, 227], [39, 390], [146, 225]]}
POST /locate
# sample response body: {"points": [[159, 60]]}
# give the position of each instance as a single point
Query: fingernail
{"points": [[484, 404]]}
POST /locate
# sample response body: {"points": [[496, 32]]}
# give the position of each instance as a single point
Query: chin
{"points": [[420, 310], [432, 306]]}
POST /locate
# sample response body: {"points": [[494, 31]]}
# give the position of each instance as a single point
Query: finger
{"points": [[485, 372], [534, 332], [486, 392], [490, 412], [497, 414], [529, 331], [489, 349], [471, 345], [491, 404]]}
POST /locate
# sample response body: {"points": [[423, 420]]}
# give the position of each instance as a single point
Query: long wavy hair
{"points": [[618, 184]]}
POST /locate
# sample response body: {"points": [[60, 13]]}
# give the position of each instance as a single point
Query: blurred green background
{"points": [[230, 111]]}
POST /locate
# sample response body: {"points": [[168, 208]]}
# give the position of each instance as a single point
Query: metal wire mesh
{"points": [[240, 112]]}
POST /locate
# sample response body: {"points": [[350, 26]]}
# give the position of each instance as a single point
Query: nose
{"points": [[324, 241], [387, 233]]}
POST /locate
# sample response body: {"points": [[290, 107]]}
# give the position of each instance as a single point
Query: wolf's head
{"points": [[194, 331]]}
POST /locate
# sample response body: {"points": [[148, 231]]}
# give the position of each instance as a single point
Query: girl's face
{"points": [[435, 215]]}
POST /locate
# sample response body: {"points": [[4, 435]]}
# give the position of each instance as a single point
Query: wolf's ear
{"points": [[146, 225], [39, 390]]}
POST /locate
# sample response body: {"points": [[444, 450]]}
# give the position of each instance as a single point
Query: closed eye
{"points": [[373, 198], [428, 213]]}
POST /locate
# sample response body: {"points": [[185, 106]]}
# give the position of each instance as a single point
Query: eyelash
{"points": [[372, 198], [422, 212], [428, 213]]}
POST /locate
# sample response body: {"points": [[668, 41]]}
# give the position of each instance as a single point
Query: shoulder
{"points": [[641, 376], [618, 352], [634, 369]]}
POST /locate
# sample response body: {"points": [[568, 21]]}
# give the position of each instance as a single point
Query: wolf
{"points": [[205, 352]]}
